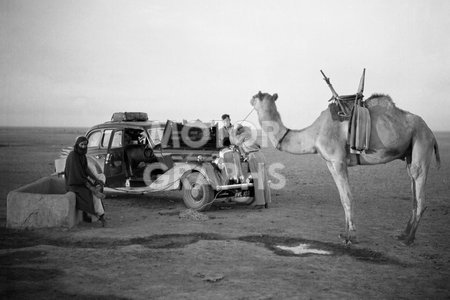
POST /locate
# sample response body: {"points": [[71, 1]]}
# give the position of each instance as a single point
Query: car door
{"points": [[95, 153], [115, 168]]}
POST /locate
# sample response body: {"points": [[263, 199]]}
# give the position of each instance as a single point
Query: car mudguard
{"points": [[207, 170]]}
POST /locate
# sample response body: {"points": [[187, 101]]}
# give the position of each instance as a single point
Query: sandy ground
{"points": [[149, 252]]}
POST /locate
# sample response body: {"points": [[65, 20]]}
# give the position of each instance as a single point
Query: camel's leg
{"points": [[418, 171], [419, 177], [407, 231], [340, 176]]}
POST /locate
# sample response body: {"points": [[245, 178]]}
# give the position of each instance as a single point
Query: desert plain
{"points": [[148, 251]]}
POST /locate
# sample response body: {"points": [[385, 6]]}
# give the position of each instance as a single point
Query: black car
{"points": [[137, 155]]}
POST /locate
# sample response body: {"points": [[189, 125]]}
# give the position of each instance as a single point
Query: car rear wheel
{"points": [[197, 192]]}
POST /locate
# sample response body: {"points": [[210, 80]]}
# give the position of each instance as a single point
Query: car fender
{"points": [[206, 169]]}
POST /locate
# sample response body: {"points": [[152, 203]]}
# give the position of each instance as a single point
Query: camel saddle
{"points": [[352, 108]]}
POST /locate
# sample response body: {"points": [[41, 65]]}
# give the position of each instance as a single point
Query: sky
{"points": [[76, 62]]}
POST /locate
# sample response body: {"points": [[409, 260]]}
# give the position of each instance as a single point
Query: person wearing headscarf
{"points": [[80, 180], [241, 136]]}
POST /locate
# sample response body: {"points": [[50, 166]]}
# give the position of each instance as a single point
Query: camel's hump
{"points": [[379, 100]]}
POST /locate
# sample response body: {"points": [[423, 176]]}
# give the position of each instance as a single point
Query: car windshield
{"points": [[156, 132]]}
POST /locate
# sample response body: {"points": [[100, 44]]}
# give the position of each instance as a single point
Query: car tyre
{"points": [[197, 192]]}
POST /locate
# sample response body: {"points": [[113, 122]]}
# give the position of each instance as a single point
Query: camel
{"points": [[395, 134]]}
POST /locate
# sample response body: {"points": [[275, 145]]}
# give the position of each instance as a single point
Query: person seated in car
{"points": [[126, 138], [226, 130]]}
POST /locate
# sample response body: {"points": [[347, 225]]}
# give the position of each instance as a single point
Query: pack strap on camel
{"points": [[352, 108]]}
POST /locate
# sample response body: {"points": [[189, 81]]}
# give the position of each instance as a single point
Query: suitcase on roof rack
{"points": [[129, 116]]}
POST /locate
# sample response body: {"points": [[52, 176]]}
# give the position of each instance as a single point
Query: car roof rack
{"points": [[129, 117]]}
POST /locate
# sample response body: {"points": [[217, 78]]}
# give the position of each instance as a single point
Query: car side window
{"points": [[106, 137], [117, 140], [94, 139]]}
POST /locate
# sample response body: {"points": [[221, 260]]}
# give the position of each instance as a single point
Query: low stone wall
{"points": [[43, 203]]}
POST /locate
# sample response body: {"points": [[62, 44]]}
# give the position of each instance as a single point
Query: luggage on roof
{"points": [[129, 116]]}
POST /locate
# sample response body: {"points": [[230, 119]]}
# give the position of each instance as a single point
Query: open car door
{"points": [[115, 167]]}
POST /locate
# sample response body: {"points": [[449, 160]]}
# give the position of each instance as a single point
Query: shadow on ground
{"points": [[21, 239]]}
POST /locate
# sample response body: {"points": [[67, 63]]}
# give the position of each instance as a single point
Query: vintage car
{"points": [[139, 156]]}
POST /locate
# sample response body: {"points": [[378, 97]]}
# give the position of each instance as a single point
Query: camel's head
{"points": [[263, 101]]}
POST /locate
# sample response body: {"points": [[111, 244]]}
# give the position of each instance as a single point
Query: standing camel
{"points": [[395, 134]]}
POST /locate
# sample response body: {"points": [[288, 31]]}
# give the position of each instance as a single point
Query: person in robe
{"points": [[81, 180]]}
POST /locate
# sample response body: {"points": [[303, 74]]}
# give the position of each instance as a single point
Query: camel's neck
{"points": [[295, 141], [272, 125]]}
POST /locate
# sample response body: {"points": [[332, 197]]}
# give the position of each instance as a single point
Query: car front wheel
{"points": [[197, 192]]}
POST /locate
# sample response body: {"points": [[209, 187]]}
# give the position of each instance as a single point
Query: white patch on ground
{"points": [[304, 249]]}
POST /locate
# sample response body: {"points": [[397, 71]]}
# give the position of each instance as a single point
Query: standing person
{"points": [[81, 181], [226, 130], [242, 138]]}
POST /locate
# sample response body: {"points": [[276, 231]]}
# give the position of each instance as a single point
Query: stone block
{"points": [[43, 203]]}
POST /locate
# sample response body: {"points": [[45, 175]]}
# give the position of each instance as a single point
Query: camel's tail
{"points": [[436, 152]]}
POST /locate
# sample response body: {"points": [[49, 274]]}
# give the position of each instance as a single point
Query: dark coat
{"points": [[76, 176]]}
